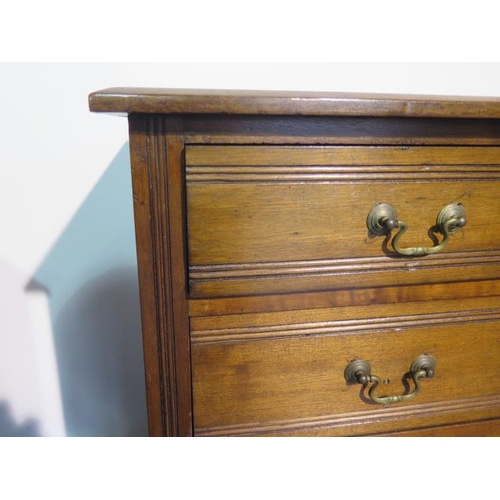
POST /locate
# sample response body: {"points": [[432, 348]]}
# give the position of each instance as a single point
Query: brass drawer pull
{"points": [[359, 372], [383, 218]]}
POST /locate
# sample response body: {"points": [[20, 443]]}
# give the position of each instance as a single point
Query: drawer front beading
{"points": [[265, 219], [257, 371]]}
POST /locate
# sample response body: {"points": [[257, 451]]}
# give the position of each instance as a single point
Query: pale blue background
{"points": [[90, 276]]}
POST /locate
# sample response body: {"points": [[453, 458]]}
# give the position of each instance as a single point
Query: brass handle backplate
{"points": [[359, 372], [383, 218]]}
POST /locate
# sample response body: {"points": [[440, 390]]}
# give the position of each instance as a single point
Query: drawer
{"points": [[272, 373], [273, 219]]}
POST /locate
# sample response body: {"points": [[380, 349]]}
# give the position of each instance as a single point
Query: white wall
{"points": [[70, 360]]}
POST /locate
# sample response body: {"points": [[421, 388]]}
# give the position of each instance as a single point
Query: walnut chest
{"points": [[316, 264]]}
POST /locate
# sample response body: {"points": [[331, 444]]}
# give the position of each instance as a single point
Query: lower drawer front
{"points": [[277, 378]]}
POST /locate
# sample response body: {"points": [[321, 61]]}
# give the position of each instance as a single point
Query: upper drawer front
{"points": [[269, 219]]}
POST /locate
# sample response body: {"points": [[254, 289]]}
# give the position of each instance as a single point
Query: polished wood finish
{"points": [[292, 130], [147, 100], [324, 244], [481, 416], [339, 298], [155, 144], [486, 428], [289, 366], [260, 283], [338, 157]]}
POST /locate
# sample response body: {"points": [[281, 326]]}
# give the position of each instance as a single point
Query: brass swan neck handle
{"points": [[359, 372], [383, 218]]}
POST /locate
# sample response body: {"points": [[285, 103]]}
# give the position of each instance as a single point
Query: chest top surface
{"points": [[125, 100]]}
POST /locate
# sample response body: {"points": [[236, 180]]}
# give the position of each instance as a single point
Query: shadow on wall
{"points": [[9, 427], [91, 279], [24, 355]]}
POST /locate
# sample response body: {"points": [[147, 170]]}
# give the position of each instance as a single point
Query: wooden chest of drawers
{"points": [[316, 264]]}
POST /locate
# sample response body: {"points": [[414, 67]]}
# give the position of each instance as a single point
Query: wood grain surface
{"points": [[260, 282], [486, 428], [276, 219], [340, 130], [156, 146], [166, 101], [275, 370]]}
